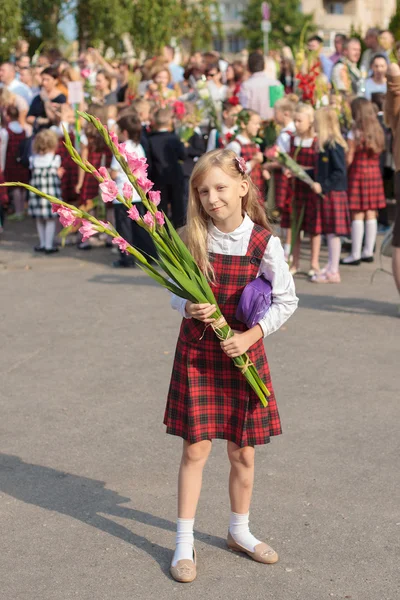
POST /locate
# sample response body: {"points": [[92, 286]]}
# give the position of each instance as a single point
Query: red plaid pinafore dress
{"points": [[283, 197], [248, 151], [90, 187], [13, 170], [70, 177], [365, 188], [208, 396], [302, 193]]}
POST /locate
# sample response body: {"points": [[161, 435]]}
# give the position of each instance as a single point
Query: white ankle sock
{"points": [[334, 246], [239, 530], [184, 540], [357, 234], [371, 228]]}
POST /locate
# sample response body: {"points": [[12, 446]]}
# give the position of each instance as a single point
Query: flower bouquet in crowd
{"points": [[188, 116], [312, 86], [175, 269], [208, 103]]}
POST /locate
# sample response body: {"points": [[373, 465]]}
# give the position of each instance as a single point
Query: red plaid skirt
{"points": [[365, 188], [70, 177], [13, 170], [283, 197], [303, 196], [247, 152], [3, 192], [335, 214], [90, 187], [208, 396]]}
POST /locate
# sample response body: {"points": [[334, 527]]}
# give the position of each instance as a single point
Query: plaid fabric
{"points": [[47, 181], [283, 197], [335, 215], [208, 396], [365, 182], [302, 193], [247, 152], [70, 177], [13, 170], [3, 193], [90, 187]]}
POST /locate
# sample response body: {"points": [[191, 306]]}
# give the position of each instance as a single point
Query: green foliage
{"points": [[40, 19], [286, 19], [394, 25], [103, 22], [10, 26]]}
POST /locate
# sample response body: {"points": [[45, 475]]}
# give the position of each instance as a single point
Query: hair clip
{"points": [[241, 164]]}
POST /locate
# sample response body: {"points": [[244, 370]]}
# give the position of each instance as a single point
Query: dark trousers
{"points": [[173, 194], [133, 233]]}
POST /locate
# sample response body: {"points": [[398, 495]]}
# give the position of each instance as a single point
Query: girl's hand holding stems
{"points": [[234, 346]]}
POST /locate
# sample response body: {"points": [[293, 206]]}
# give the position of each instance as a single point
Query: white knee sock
{"points": [[371, 228], [184, 540], [334, 247], [239, 530], [357, 234], [41, 232], [50, 230]]}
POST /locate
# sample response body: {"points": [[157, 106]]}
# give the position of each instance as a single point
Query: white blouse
{"points": [[273, 266]]}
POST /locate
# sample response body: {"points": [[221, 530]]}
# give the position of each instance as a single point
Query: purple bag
{"points": [[254, 302]]}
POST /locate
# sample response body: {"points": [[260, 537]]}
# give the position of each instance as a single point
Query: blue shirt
{"points": [[327, 65], [176, 72], [371, 88]]}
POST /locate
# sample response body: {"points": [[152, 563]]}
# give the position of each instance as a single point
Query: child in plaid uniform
{"points": [[305, 202], [46, 171], [248, 125], [13, 171], [332, 183], [366, 191], [228, 234]]}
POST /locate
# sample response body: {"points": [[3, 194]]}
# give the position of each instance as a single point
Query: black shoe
{"points": [[84, 246], [118, 264], [51, 250], [367, 259], [39, 248], [353, 263]]}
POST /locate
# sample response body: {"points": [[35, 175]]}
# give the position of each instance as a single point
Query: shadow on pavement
{"points": [[359, 306], [83, 499]]}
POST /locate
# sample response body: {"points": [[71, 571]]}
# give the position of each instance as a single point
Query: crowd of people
{"points": [[173, 114]]}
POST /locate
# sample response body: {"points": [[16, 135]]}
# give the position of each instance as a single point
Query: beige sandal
{"points": [[185, 570], [262, 552]]}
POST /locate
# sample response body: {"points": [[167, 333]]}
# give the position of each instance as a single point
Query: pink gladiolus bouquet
{"points": [[177, 270], [276, 154]]}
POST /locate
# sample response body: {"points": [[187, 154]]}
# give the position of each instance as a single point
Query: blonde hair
{"points": [[328, 128], [309, 111], [285, 105], [196, 230], [45, 141]]}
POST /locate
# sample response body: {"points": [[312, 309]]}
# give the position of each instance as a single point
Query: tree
{"points": [[10, 26], [103, 22], [286, 19], [394, 25], [40, 20]]}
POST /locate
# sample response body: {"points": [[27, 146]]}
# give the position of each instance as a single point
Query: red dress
{"points": [[303, 196], [70, 178], [365, 189], [208, 396], [283, 197], [90, 187], [13, 170], [248, 151]]}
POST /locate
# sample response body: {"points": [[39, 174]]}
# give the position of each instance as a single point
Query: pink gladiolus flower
{"points": [[272, 152], [127, 190], [148, 219], [137, 164], [114, 138], [133, 213], [160, 218], [109, 190], [55, 208], [121, 243], [103, 172], [67, 217], [87, 230], [155, 197], [145, 184], [105, 224]]}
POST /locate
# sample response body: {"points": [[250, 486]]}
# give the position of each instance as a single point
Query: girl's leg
{"points": [[287, 244], [41, 232], [19, 195], [334, 248], [371, 229], [194, 457], [50, 231], [357, 234], [315, 250], [296, 253], [241, 480]]}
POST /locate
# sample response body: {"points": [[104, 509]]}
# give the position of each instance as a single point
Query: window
{"points": [[336, 8]]}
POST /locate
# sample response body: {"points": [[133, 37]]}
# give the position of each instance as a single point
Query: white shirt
{"points": [[21, 89], [273, 266], [283, 140], [212, 138], [122, 178]]}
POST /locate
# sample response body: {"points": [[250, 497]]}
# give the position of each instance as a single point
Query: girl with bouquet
{"points": [[229, 236], [332, 183], [366, 193]]}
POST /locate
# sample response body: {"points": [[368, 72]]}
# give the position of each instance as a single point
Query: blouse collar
{"points": [[235, 235]]}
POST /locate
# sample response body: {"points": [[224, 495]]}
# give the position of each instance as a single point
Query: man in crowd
{"points": [[372, 42], [314, 44], [175, 70], [346, 75], [8, 80], [339, 42], [256, 92]]}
